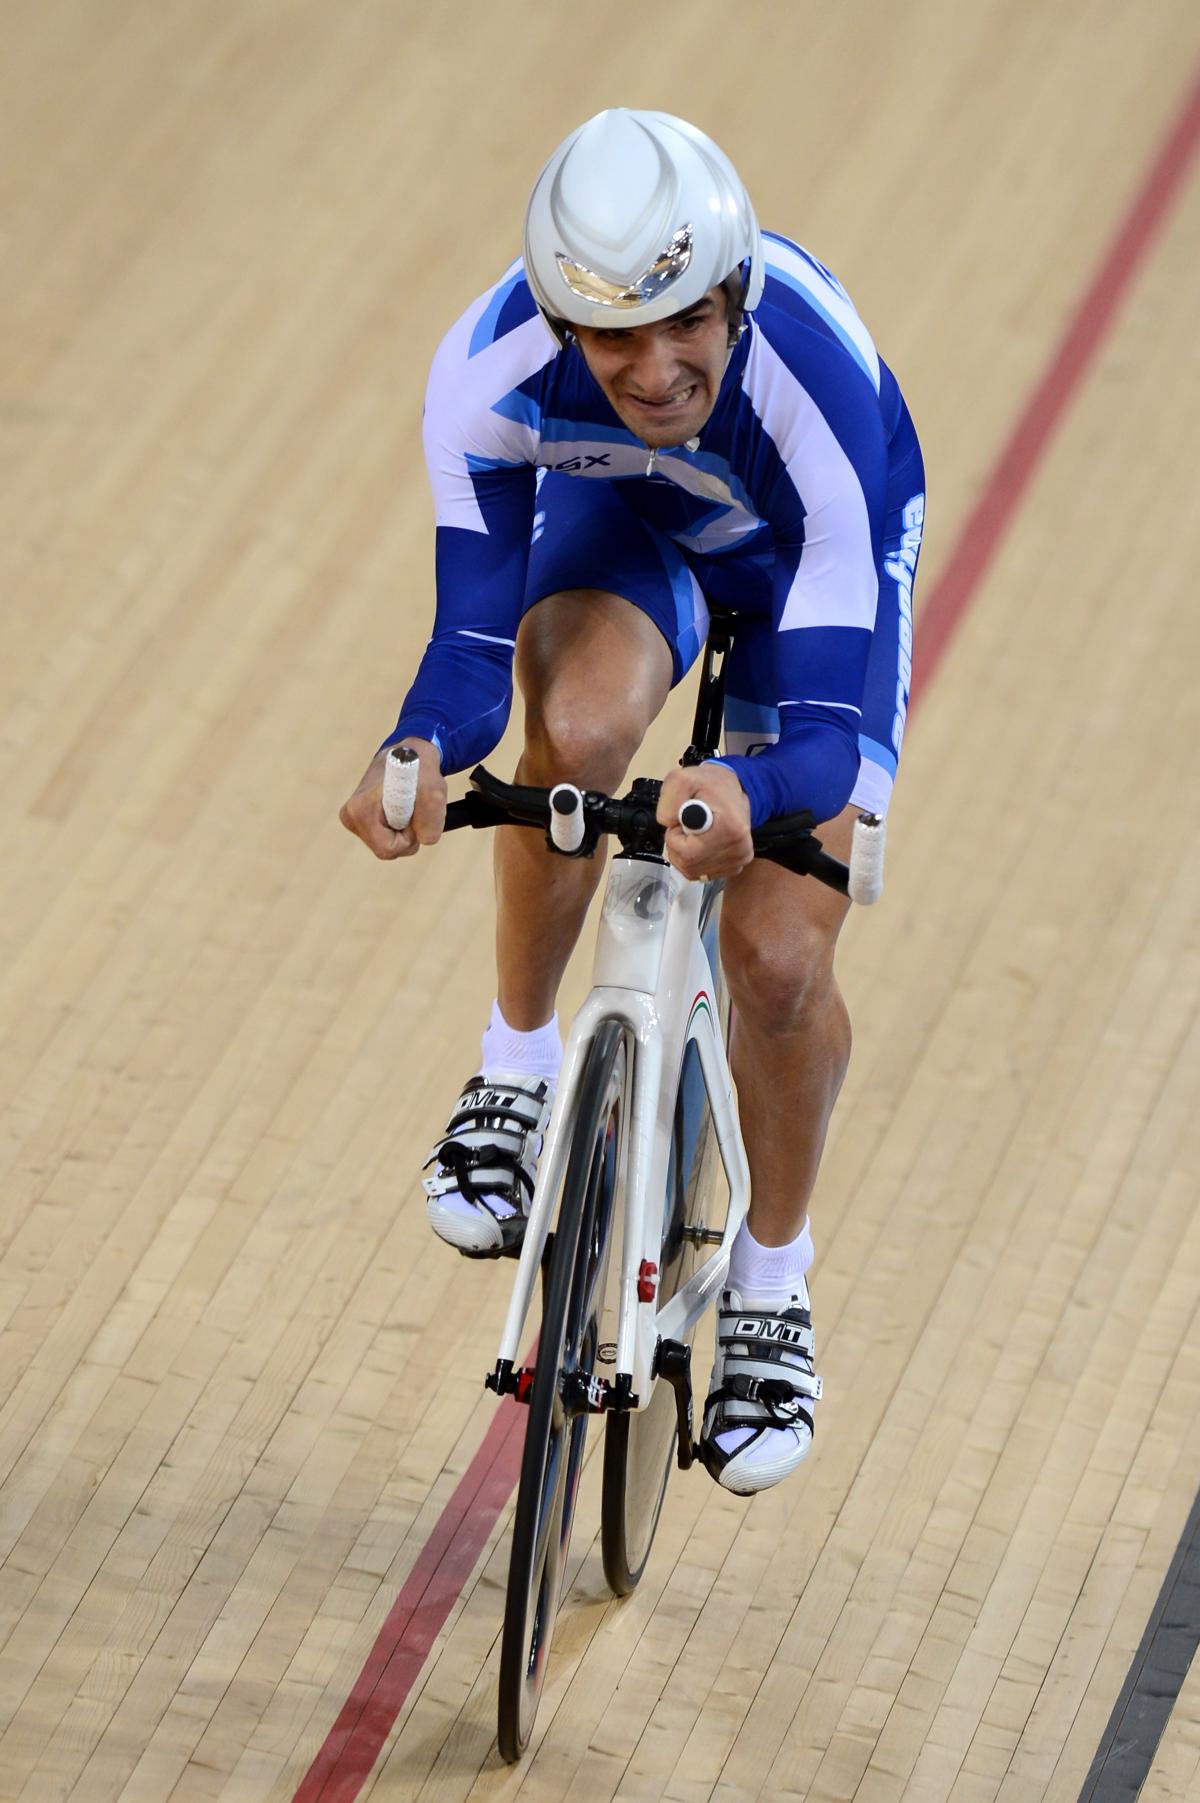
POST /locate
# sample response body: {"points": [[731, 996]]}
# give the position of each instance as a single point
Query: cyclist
{"points": [[705, 419]]}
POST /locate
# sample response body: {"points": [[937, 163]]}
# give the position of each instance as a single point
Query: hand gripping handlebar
{"points": [[575, 819]]}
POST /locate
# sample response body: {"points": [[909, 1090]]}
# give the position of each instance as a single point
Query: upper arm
{"points": [[827, 501]]}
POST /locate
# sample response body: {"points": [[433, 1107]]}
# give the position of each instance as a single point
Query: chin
{"points": [[667, 438]]}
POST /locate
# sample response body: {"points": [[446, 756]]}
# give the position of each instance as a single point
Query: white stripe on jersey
{"points": [[464, 632], [846, 707], [459, 418], [826, 295], [837, 583]]}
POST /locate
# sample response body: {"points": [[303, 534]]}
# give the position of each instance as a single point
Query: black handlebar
{"points": [[631, 818]]}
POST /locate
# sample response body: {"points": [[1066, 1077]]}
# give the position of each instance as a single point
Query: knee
{"points": [[594, 671], [572, 735], [781, 984]]}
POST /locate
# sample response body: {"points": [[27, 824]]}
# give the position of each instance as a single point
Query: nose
{"points": [[654, 368]]}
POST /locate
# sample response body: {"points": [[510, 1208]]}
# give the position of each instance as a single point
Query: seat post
{"points": [[710, 701]]}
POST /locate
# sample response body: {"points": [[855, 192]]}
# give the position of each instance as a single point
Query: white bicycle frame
{"points": [[652, 974]]}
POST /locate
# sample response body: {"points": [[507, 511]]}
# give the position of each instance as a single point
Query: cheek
{"points": [[606, 370]]}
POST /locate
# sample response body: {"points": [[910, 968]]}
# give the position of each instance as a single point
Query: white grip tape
{"points": [[866, 859], [695, 816], [566, 816], [400, 772]]}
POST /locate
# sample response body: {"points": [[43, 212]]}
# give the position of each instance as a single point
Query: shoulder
{"points": [[805, 310], [488, 360], [498, 311], [812, 374], [501, 327], [819, 414]]}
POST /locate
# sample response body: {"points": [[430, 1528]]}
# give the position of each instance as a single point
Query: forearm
{"points": [[814, 766], [459, 700]]}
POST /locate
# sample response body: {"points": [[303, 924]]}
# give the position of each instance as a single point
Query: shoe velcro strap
{"points": [[481, 1100], [781, 1401], [515, 1119], [770, 1362], [469, 1166], [768, 1335], [745, 1372], [760, 1323], [490, 1181], [505, 1146]]}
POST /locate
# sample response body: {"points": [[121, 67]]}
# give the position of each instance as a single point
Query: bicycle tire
{"points": [[640, 1446], [554, 1437]]}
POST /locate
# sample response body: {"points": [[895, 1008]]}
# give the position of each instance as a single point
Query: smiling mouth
{"points": [[680, 398]]}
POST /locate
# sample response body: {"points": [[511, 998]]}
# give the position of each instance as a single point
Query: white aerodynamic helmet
{"points": [[633, 219]]}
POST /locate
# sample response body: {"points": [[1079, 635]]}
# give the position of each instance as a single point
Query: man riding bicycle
{"points": [[706, 420]]}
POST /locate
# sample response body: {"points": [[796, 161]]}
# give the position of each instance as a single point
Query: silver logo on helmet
{"points": [[666, 268]]}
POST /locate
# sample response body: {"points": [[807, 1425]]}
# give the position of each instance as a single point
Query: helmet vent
{"points": [[666, 268]]}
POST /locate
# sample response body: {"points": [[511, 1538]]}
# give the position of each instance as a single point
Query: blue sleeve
{"points": [[824, 496], [480, 437], [463, 689]]}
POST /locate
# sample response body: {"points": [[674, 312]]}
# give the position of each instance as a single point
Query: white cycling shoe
{"points": [[758, 1421], [479, 1194]]}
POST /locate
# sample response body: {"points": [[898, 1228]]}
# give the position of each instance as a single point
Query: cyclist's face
{"points": [[663, 379]]}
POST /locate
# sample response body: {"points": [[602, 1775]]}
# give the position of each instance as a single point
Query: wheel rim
{"points": [[563, 1465]]}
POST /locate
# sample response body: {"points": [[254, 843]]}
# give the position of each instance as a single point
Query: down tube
{"points": [[646, 1176]]}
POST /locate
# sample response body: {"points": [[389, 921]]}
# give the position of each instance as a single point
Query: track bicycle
{"points": [[644, 1090]]}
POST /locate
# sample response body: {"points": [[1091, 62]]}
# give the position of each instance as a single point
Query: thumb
{"points": [[678, 786]]}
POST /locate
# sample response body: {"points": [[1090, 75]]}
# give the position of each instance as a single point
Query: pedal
{"points": [[675, 1365], [490, 1251]]}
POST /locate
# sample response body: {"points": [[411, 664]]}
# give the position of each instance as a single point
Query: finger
{"points": [[389, 844], [677, 787], [429, 816], [688, 857]]}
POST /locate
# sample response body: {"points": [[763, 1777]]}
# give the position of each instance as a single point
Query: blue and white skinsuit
{"points": [[801, 507]]}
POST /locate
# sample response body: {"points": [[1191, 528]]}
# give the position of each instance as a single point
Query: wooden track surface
{"points": [[238, 1378]]}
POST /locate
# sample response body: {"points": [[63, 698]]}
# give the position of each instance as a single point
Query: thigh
{"points": [[590, 665], [585, 540]]}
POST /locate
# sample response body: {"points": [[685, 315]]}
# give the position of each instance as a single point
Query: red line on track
{"points": [[418, 1615], [448, 1557]]}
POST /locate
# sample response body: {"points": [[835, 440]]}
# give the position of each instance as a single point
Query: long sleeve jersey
{"points": [[793, 461]]}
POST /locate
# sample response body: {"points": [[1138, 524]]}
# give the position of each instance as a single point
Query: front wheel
{"points": [[558, 1415]]}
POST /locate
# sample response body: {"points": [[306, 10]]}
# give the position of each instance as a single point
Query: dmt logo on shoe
{"points": [[756, 1328]]}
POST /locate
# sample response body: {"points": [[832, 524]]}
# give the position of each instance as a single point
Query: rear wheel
{"points": [[640, 1445], [558, 1414]]}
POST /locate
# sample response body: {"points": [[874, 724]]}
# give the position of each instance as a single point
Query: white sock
{"points": [[535, 1054], [768, 1275]]}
